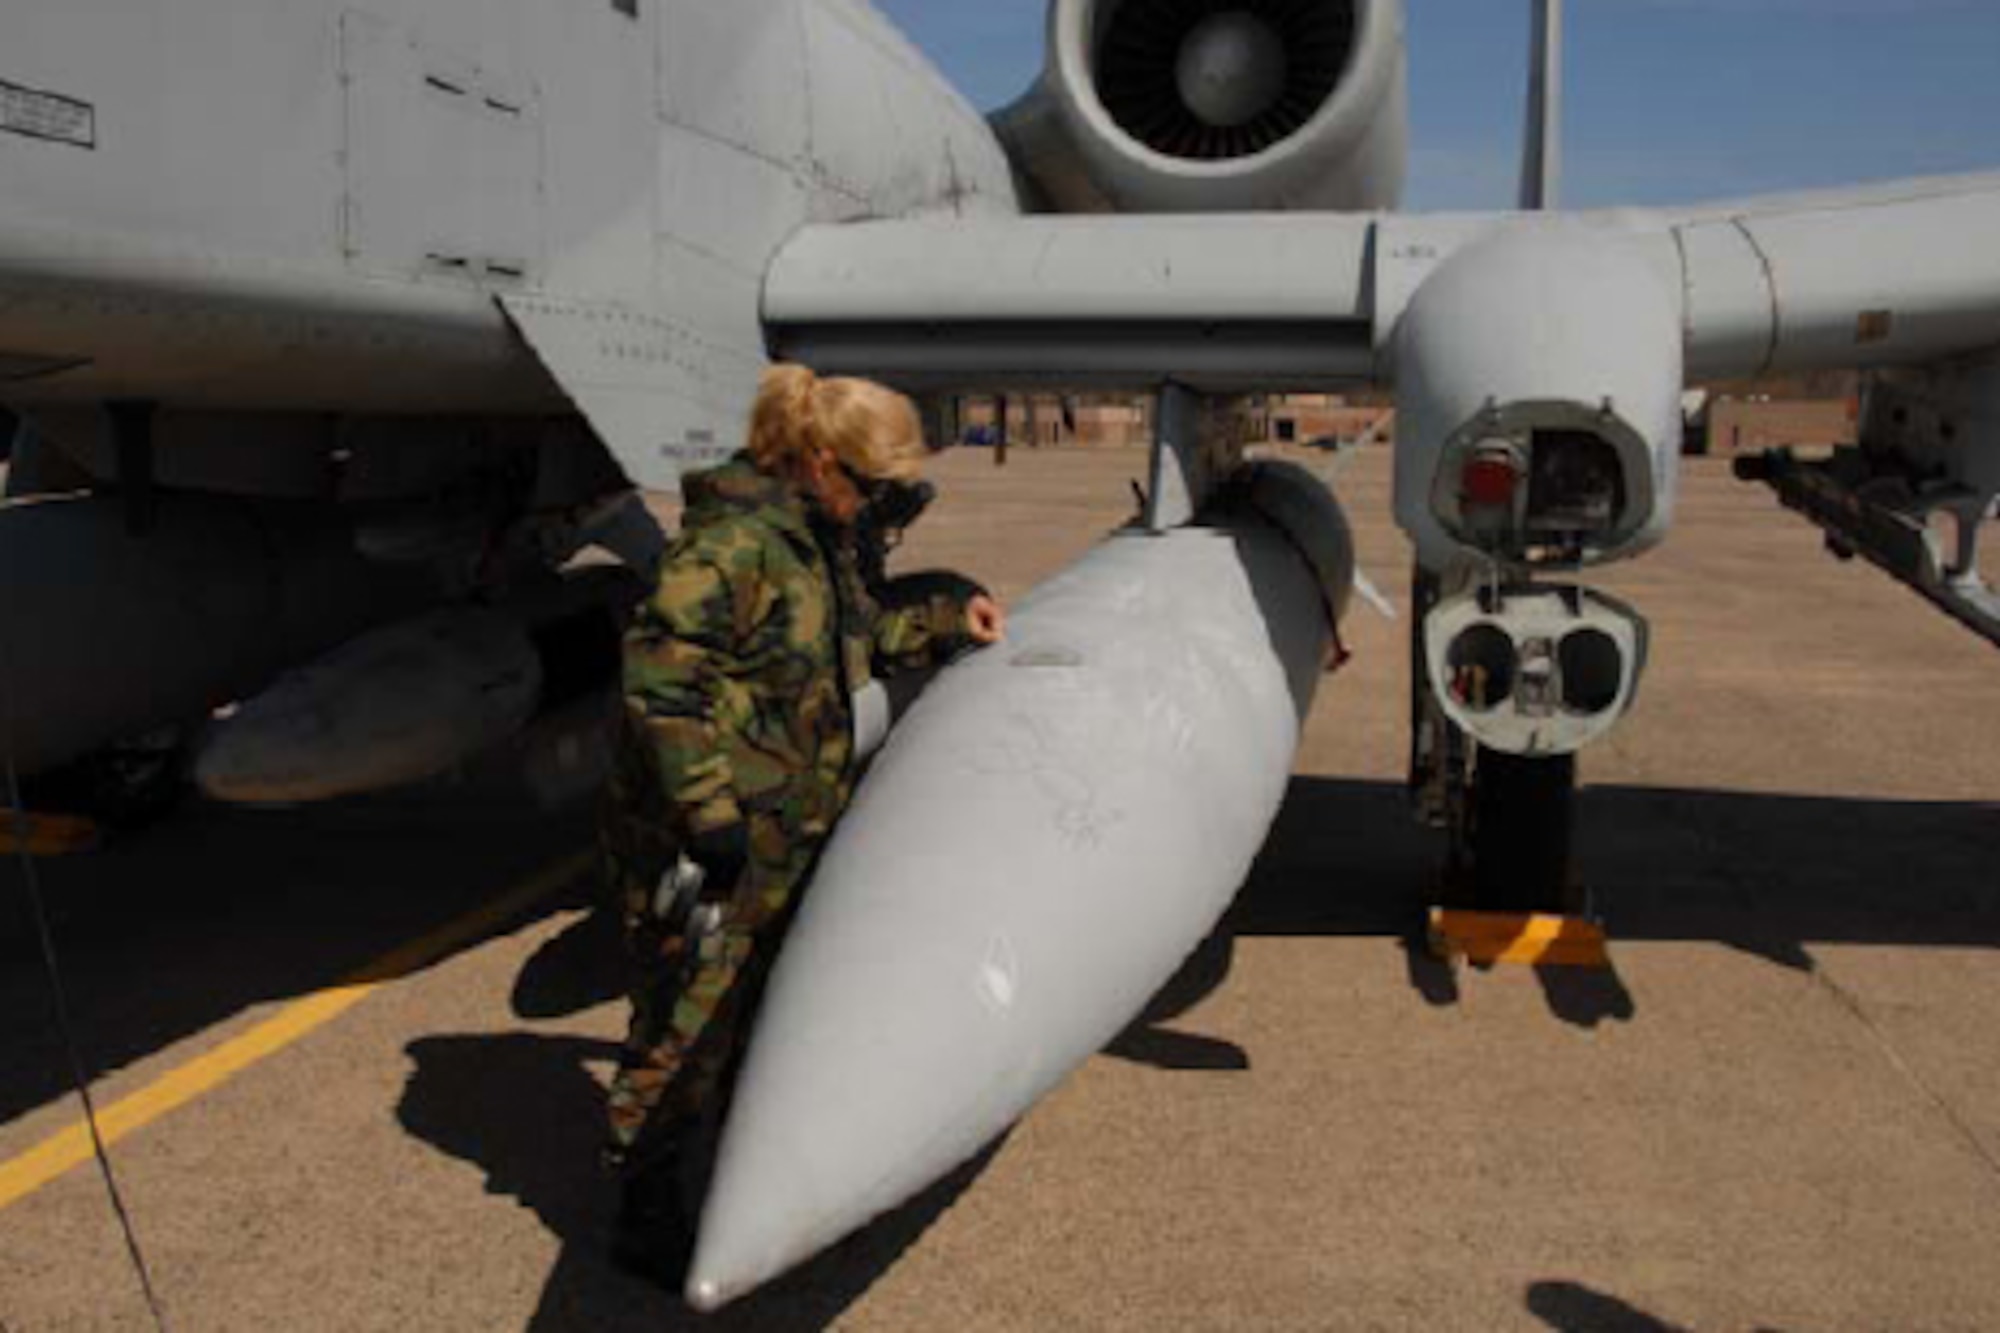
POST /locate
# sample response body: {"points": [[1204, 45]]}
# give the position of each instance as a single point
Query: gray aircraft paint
{"points": [[617, 182], [1734, 290], [708, 138]]}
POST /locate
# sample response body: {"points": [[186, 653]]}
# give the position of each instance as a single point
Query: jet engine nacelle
{"points": [[1538, 394], [1216, 105]]}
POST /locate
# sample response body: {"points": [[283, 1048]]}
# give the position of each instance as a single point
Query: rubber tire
{"points": [[1523, 833]]}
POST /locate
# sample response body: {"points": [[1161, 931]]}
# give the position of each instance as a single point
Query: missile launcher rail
{"points": [[1881, 516]]}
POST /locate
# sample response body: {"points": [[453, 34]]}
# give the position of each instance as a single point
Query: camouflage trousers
{"points": [[688, 1011]]}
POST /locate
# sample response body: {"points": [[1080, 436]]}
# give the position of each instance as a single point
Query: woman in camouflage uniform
{"points": [[739, 753]]}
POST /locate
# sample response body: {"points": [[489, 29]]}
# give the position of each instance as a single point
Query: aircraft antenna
{"points": [[66, 1033], [1541, 149]]}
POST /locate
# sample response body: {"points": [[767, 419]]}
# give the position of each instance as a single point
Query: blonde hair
{"points": [[869, 427]]}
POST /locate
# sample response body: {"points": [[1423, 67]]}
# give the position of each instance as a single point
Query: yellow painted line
{"points": [[48, 835], [70, 1148]]}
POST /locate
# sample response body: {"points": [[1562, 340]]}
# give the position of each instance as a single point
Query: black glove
{"points": [[723, 853], [931, 585]]}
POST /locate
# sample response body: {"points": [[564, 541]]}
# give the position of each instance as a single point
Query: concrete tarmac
{"points": [[1782, 1111]]}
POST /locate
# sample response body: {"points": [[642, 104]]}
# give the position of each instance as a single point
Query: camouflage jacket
{"points": [[739, 671]]}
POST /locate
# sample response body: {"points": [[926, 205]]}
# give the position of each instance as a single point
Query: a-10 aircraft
{"points": [[334, 330]]}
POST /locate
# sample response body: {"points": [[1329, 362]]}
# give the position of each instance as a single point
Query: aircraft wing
{"points": [[1902, 273], [1248, 302], [1240, 302], [1896, 274], [1899, 275]]}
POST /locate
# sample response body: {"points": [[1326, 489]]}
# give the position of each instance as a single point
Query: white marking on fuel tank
{"points": [[999, 976]]}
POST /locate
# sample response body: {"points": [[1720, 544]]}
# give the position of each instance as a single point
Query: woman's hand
{"points": [[985, 621]]}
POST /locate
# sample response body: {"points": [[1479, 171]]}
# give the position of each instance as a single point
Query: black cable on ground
{"points": [[31, 878]]}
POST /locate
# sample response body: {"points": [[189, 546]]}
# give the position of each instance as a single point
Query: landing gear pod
{"points": [[1538, 390], [1534, 671]]}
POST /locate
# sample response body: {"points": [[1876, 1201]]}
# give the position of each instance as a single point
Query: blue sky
{"points": [[1667, 100]]}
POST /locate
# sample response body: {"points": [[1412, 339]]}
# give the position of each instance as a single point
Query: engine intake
{"points": [[1211, 105], [1215, 79]]}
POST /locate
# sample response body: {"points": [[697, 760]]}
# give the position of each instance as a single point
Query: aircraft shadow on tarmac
{"points": [[216, 911], [185, 926], [1770, 875], [1570, 1307], [1766, 874], [526, 1109]]}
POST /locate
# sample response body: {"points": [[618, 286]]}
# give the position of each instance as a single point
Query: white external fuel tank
{"points": [[1058, 823]]}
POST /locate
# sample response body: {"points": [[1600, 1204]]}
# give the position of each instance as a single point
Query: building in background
{"points": [[1038, 419], [1749, 416], [1809, 411], [1117, 420], [1325, 419]]}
